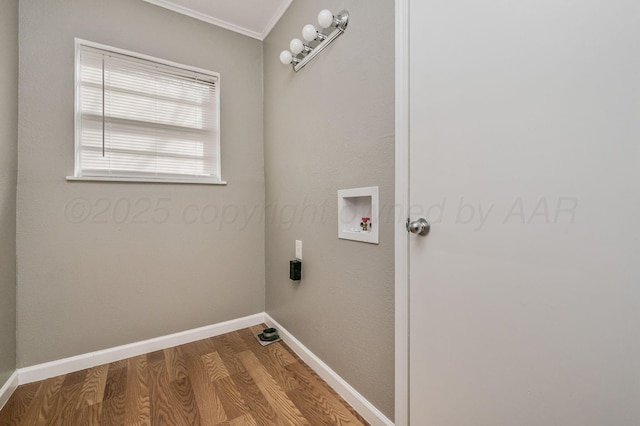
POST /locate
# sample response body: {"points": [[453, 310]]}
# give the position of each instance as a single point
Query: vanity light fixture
{"points": [[301, 53]]}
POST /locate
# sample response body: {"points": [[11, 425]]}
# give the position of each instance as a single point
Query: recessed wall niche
{"points": [[358, 214]]}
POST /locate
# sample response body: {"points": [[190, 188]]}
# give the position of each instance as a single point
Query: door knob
{"points": [[420, 226]]}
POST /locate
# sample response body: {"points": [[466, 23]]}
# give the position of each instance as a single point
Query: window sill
{"points": [[143, 180]]}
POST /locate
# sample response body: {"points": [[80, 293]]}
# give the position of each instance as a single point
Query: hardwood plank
{"points": [[232, 400], [209, 405], [258, 405], [181, 384], [264, 354], [92, 391], [138, 401], [50, 401], [320, 402], [40, 409], [280, 355], [112, 411], [228, 354], [162, 410], [320, 408], [200, 347], [118, 364], [174, 362], [114, 403], [237, 342], [248, 336], [214, 366], [19, 404], [75, 377], [270, 389], [185, 401], [88, 415], [65, 411], [156, 356], [245, 420], [257, 328], [116, 382], [172, 402], [230, 345]]}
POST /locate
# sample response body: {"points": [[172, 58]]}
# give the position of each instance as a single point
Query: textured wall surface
{"points": [[329, 127], [8, 163], [105, 264]]}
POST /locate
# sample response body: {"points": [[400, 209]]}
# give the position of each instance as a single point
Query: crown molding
{"points": [[222, 23]]}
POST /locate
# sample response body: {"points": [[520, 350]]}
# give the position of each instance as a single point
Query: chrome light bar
{"points": [[301, 54]]}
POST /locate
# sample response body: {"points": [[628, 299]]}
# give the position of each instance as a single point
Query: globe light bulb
{"points": [[325, 18], [296, 46], [286, 57], [309, 32]]}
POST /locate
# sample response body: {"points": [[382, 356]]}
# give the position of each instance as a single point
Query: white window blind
{"points": [[145, 119]]}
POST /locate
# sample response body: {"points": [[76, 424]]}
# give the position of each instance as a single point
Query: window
{"points": [[144, 119]]}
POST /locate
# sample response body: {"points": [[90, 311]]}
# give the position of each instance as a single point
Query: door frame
{"points": [[401, 237]]}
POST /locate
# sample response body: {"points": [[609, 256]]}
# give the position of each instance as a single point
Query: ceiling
{"points": [[253, 18]]}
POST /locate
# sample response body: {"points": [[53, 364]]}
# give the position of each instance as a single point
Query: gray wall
{"points": [[92, 275], [8, 162], [329, 127]]}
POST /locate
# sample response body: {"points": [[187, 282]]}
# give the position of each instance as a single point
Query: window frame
{"points": [[78, 176]]}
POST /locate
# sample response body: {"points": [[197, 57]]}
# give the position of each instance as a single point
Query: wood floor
{"points": [[225, 380]]}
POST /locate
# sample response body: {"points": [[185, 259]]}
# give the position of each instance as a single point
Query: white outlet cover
{"points": [[298, 249]]}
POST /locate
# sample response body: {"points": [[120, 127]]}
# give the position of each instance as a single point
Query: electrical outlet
{"points": [[298, 249]]}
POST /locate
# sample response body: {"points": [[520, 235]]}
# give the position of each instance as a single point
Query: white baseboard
{"points": [[7, 389], [93, 359], [346, 391]]}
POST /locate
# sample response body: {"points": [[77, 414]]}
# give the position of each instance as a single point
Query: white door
{"points": [[525, 156]]}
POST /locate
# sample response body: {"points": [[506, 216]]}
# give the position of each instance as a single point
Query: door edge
{"points": [[401, 250]]}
